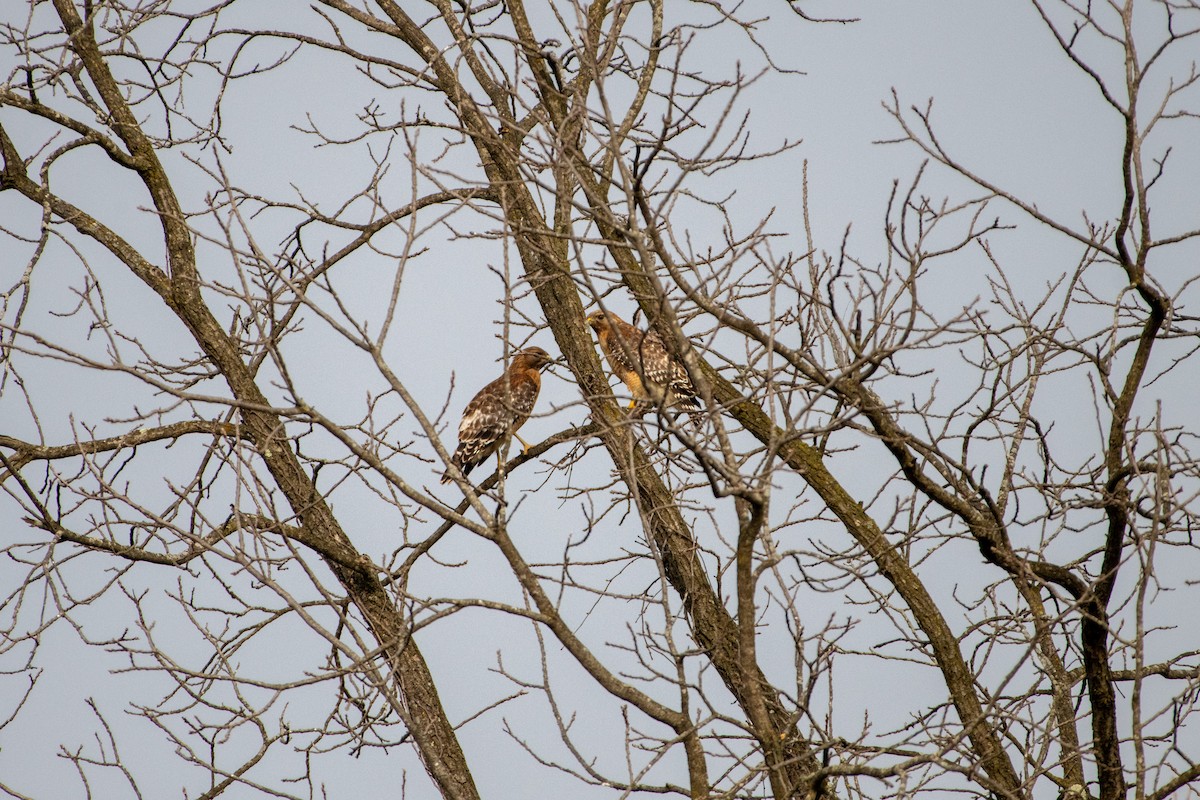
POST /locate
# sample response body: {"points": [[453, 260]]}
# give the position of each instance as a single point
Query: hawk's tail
{"points": [[466, 459], [683, 398]]}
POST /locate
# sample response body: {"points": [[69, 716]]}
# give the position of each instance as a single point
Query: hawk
{"points": [[499, 410], [639, 358]]}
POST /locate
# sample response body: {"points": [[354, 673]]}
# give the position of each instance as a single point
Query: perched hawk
{"points": [[499, 410], [639, 357]]}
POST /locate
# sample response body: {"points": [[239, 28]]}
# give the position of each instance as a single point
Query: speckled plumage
{"points": [[633, 354], [498, 410]]}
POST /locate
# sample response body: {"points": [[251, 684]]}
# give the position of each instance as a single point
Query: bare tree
{"points": [[915, 543]]}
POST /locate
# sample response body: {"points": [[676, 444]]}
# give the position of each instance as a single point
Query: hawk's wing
{"points": [[656, 363]]}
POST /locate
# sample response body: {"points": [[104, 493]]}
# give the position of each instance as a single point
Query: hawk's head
{"points": [[531, 358], [598, 321]]}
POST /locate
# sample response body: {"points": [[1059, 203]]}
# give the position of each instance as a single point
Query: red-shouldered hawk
{"points": [[499, 410], [635, 354]]}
